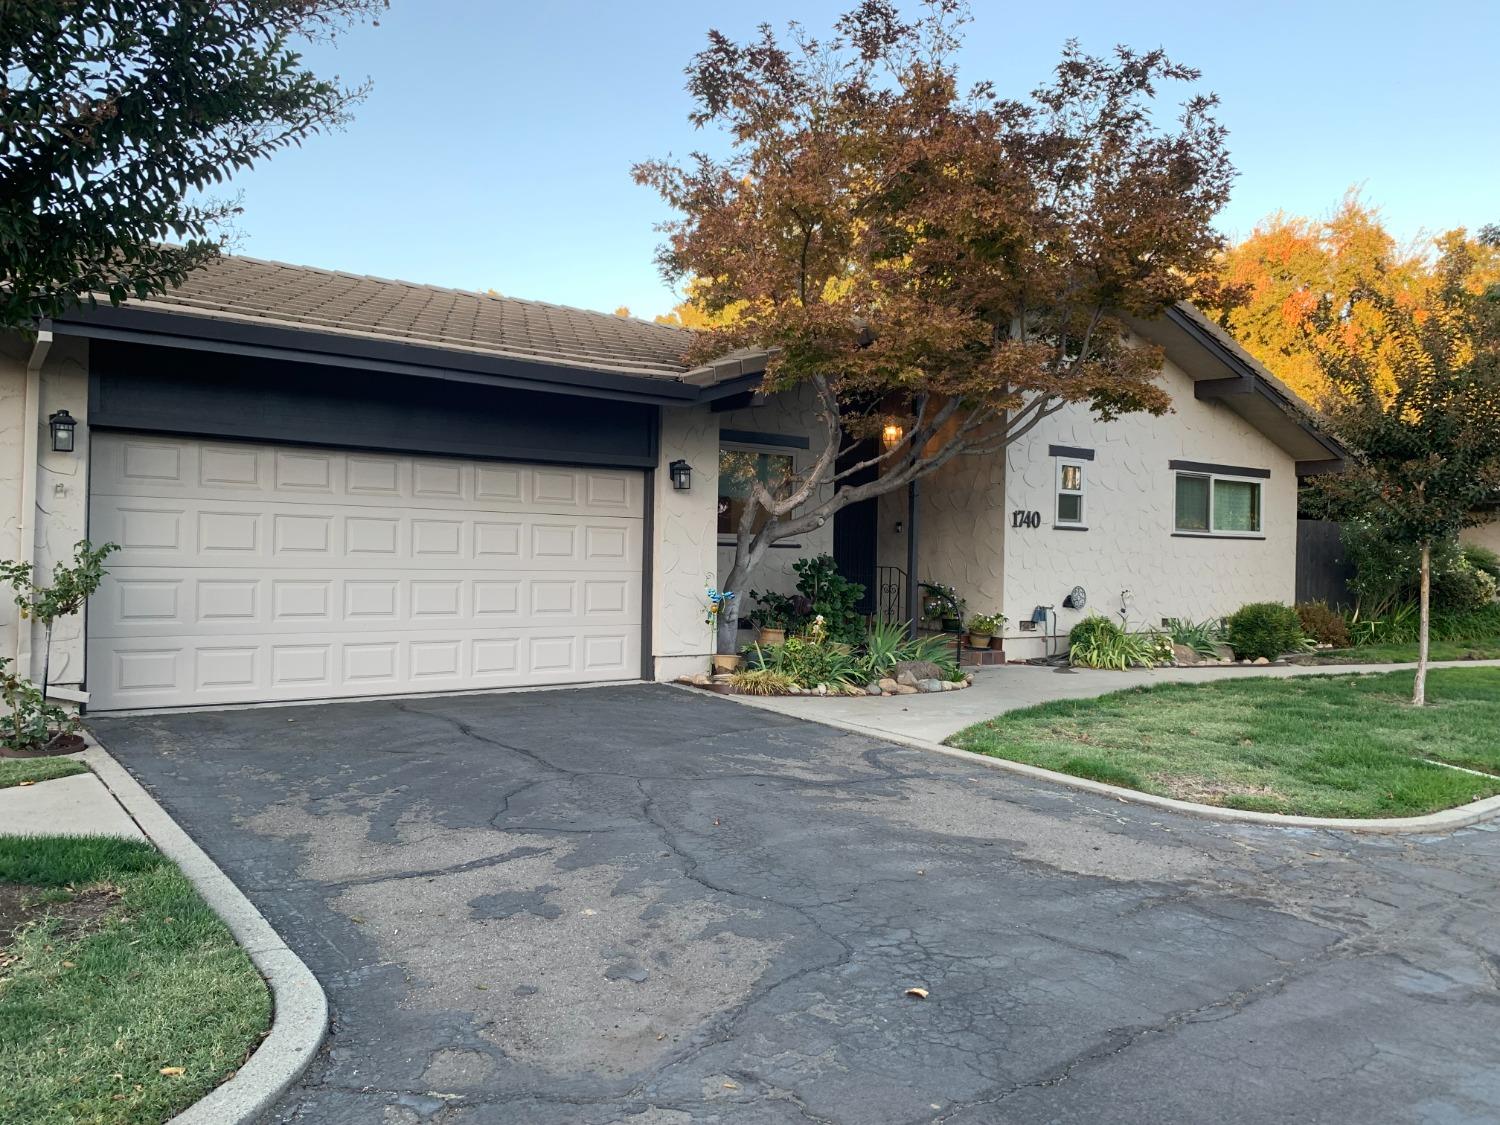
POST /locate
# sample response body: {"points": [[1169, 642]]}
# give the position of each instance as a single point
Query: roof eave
{"points": [[1245, 387]]}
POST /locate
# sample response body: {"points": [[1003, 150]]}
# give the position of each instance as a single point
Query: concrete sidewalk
{"points": [[66, 806], [1009, 687]]}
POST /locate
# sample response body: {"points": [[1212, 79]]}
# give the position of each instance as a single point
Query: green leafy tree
{"points": [[115, 117], [72, 585], [1428, 450]]}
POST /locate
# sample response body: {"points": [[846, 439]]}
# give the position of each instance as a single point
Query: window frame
{"points": [[1213, 479], [1058, 492], [728, 538]]}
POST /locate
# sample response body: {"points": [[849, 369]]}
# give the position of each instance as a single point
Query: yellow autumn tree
{"points": [[1298, 288], [695, 314]]}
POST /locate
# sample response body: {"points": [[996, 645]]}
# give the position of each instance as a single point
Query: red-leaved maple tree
{"points": [[946, 259]]}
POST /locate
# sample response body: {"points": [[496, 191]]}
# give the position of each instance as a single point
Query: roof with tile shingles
{"points": [[250, 289]]}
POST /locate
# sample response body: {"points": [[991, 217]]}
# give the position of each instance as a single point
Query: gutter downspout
{"points": [[31, 423], [911, 560]]}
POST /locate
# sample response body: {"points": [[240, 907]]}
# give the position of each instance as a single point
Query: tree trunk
{"points": [[1419, 685], [728, 638]]}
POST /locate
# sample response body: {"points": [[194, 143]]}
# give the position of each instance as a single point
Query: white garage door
{"points": [[255, 572]]}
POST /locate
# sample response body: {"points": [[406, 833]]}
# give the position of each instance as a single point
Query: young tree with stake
{"points": [[1428, 450], [952, 261]]}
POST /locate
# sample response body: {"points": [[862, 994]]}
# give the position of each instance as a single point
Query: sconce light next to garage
{"points": [[62, 424], [891, 436], [682, 475]]}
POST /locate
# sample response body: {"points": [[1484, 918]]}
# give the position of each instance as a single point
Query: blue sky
{"points": [[496, 146]]}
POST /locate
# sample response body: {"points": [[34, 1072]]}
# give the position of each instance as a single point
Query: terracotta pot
{"points": [[980, 640], [951, 624], [727, 661], [771, 637]]}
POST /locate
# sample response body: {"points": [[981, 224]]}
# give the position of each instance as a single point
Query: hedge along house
{"points": [[326, 485]]}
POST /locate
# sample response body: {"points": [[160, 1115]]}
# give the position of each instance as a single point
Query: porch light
{"points": [[892, 434], [682, 475], [62, 424]]}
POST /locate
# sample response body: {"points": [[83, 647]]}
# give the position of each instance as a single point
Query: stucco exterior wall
{"points": [[789, 415], [62, 499], [61, 517], [14, 352], [684, 543], [1129, 549], [1485, 535], [960, 526]]}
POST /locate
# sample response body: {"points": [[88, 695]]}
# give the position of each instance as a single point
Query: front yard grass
{"points": [[20, 771], [1330, 745], [123, 998]]}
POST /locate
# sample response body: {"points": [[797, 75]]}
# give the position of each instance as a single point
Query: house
{"points": [[327, 485]]}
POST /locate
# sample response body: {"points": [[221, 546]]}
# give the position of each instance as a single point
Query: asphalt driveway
{"points": [[644, 905]]}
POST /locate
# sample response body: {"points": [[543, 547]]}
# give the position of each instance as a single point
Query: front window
{"points": [[1070, 493], [1214, 505], [737, 468]]}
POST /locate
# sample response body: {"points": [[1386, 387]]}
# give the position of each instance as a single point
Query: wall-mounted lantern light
{"points": [[682, 475], [62, 424], [892, 434]]}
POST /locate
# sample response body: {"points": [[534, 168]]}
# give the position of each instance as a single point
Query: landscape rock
{"points": [[930, 684], [1261, 660], [903, 689], [697, 679], [887, 684], [1185, 654], [1224, 652], [872, 689], [909, 672], [951, 685]]}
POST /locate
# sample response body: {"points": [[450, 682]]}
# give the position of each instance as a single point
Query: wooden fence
{"points": [[1322, 573]]}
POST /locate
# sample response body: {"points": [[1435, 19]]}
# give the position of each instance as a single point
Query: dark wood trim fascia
{"points": [[1220, 470], [1073, 451], [763, 437]]}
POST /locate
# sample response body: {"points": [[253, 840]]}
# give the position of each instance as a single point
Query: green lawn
{"points": [[126, 974], [15, 771], [1403, 654], [1319, 745]]}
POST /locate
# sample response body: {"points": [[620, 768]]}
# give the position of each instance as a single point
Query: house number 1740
{"points": [[1020, 518]]}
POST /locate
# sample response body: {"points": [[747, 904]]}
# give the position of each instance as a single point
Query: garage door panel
{"points": [[155, 672], [142, 602], [208, 533], [168, 468], [269, 573]]}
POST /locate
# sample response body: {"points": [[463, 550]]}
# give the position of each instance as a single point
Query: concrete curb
{"points": [[1446, 821], [299, 1006]]}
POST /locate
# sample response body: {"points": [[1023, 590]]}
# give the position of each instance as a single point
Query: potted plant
{"points": [[775, 614], [984, 627], [941, 603]]}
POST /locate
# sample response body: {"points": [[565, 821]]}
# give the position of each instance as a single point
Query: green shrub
{"points": [[886, 645], [1097, 642], [1461, 586], [1264, 629], [807, 663], [1324, 625], [1482, 558], [1201, 636], [821, 592]]}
